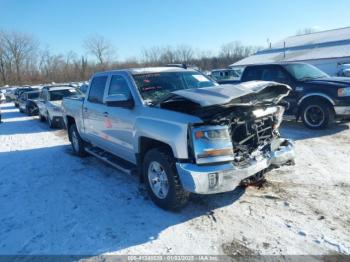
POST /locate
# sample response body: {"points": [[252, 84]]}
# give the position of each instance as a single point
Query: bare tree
{"points": [[21, 62], [151, 55], [101, 48], [168, 55], [21, 48], [3, 58], [234, 51], [184, 53]]}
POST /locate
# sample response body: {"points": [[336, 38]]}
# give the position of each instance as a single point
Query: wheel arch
{"points": [[144, 145], [313, 96]]}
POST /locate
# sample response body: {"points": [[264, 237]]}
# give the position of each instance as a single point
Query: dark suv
{"points": [[316, 97]]}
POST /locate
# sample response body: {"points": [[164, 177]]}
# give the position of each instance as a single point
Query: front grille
{"points": [[248, 136]]}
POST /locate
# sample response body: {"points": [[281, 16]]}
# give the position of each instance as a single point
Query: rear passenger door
{"points": [[94, 109]]}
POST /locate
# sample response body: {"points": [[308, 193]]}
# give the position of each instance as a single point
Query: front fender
{"points": [[171, 133]]}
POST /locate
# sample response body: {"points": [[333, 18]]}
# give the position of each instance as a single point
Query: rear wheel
{"points": [[162, 181], [317, 114], [78, 144]]}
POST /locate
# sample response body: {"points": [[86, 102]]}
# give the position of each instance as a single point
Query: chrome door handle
{"points": [[85, 109]]}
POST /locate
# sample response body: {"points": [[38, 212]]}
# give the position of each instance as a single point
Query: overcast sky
{"points": [[131, 25]]}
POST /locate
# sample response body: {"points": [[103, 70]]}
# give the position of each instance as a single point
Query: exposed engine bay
{"points": [[252, 119]]}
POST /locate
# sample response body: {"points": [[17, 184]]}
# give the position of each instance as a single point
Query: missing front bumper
{"points": [[210, 179]]}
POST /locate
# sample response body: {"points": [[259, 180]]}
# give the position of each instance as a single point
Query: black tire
{"points": [[42, 118], [29, 111], [317, 114], [177, 197], [79, 147]]}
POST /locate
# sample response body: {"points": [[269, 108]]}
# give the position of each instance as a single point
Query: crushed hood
{"points": [[244, 93]]}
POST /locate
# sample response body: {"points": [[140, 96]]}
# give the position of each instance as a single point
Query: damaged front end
{"points": [[236, 140]]}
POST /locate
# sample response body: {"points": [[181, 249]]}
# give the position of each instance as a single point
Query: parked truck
{"points": [[50, 103], [316, 98], [180, 131]]}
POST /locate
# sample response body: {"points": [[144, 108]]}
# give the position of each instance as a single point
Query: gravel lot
{"points": [[52, 202]]}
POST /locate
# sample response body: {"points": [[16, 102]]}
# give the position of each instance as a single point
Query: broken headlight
{"points": [[212, 144]]}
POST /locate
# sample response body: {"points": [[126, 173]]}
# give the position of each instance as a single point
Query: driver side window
{"points": [[274, 74], [119, 85]]}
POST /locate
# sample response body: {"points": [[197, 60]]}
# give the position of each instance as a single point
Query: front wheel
{"points": [[317, 114], [78, 144], [162, 180]]}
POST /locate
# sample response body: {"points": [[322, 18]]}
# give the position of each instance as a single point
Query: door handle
{"points": [[85, 109], [105, 114]]}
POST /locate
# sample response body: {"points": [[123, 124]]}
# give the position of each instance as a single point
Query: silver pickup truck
{"points": [[179, 130]]}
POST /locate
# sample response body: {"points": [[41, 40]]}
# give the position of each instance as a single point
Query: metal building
{"points": [[327, 50]]}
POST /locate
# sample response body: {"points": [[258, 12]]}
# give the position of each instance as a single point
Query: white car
{"points": [[50, 101], [2, 97]]}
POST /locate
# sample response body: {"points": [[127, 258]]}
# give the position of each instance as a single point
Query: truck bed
{"points": [[73, 107]]}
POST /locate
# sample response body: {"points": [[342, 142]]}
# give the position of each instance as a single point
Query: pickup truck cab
{"points": [[316, 97], [50, 103], [180, 131]]}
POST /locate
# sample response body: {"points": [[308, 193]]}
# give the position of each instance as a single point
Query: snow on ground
{"points": [[52, 202]]}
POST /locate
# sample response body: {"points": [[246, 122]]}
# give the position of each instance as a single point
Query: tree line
{"points": [[24, 61]]}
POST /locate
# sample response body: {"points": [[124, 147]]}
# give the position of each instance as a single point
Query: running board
{"points": [[112, 160]]}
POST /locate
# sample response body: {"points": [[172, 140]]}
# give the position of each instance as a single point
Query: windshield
{"points": [[56, 95], [156, 86], [304, 71]]}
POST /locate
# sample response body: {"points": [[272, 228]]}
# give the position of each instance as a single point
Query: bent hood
{"points": [[247, 93]]}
